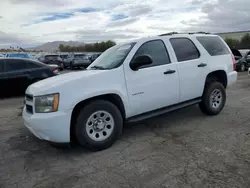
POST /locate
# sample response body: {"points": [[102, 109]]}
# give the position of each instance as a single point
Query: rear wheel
{"points": [[213, 99], [98, 125]]}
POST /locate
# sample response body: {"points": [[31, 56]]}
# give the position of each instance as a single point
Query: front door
{"points": [[153, 86]]}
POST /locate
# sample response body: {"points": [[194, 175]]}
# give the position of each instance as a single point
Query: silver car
{"points": [[77, 60]]}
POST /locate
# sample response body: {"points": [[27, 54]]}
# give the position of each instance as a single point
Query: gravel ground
{"points": [[183, 149]]}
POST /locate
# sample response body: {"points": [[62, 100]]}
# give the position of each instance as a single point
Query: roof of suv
{"points": [[172, 36]]}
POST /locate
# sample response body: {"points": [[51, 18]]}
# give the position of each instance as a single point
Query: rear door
{"points": [[192, 68]]}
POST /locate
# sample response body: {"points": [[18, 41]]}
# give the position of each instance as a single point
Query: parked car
{"points": [[246, 54], [52, 59], [93, 57], [131, 82], [242, 59], [18, 55], [16, 74], [77, 61], [63, 56]]}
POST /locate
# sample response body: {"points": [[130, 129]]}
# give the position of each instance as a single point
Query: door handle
{"points": [[202, 65], [169, 71]]}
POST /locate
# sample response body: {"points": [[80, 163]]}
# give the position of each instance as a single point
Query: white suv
{"points": [[131, 82]]}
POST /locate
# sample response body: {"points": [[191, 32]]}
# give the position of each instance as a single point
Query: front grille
{"points": [[29, 109], [29, 97]]}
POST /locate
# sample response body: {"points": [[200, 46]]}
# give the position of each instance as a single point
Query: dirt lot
{"points": [[183, 149]]}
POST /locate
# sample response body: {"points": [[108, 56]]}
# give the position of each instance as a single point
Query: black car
{"points": [[53, 59], [17, 74], [242, 59]]}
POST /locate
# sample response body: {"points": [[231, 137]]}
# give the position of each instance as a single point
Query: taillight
{"points": [[55, 71], [234, 62]]}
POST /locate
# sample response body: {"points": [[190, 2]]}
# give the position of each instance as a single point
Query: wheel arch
{"points": [[112, 97], [219, 76]]}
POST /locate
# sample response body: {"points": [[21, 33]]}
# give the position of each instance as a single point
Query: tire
{"points": [[242, 67], [213, 99], [71, 66], [61, 66], [89, 133]]}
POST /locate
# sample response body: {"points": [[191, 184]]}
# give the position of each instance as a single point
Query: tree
{"points": [[245, 41], [95, 47], [232, 43]]}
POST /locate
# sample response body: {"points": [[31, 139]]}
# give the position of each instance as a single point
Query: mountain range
{"points": [[53, 46]]}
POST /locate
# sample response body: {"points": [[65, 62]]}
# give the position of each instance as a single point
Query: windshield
{"points": [[113, 57], [19, 55]]}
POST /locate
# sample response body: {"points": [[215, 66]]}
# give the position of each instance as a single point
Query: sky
{"points": [[28, 23]]}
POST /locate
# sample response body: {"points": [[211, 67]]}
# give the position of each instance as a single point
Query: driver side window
{"points": [[156, 50]]}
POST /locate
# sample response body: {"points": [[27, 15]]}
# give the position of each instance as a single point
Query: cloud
{"points": [[11, 39], [222, 16], [118, 17], [34, 21], [122, 22]]}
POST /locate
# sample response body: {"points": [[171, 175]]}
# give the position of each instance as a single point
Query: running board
{"points": [[163, 110]]}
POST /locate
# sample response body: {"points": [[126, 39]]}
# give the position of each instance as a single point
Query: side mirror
{"points": [[140, 61]]}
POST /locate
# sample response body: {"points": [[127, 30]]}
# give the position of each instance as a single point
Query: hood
{"points": [[52, 84]]}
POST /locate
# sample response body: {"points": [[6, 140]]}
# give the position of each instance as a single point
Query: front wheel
{"points": [[213, 99], [98, 125]]}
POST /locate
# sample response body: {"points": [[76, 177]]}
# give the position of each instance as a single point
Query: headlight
{"points": [[47, 103]]}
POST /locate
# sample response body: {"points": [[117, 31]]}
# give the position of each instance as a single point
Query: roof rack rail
{"points": [[190, 33]]}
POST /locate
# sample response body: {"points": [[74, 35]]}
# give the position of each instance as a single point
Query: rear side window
{"points": [[213, 45], [1, 65], [15, 65], [184, 49]]}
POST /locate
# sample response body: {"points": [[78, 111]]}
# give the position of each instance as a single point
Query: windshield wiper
{"points": [[98, 67]]}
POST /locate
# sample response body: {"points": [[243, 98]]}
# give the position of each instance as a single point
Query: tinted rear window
{"points": [[63, 56], [213, 45], [15, 65], [51, 56], [79, 56]]}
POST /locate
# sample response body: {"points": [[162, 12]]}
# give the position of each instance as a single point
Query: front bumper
{"points": [[232, 78], [52, 127]]}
